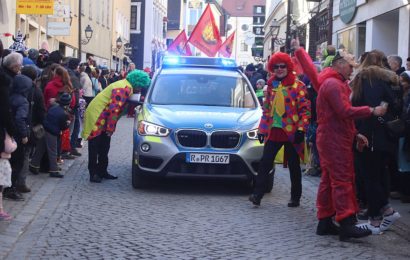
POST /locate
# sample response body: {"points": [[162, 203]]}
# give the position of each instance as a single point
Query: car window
{"points": [[206, 90]]}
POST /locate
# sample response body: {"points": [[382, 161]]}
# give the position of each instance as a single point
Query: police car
{"points": [[199, 118]]}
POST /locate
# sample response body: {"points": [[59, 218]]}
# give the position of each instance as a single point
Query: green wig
{"points": [[138, 79]]}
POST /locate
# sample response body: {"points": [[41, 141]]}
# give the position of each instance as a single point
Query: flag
{"points": [[205, 35], [180, 45], [7, 34], [227, 46]]}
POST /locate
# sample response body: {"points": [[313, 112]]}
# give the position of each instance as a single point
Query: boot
{"points": [[349, 230], [327, 227], [23, 188]]}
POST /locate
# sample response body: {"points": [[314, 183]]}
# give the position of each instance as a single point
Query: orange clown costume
{"points": [[285, 118]]}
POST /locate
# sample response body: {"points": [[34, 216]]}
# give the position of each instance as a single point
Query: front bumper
{"points": [[166, 158]]}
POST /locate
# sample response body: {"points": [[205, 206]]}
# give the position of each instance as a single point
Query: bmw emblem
{"points": [[208, 125]]}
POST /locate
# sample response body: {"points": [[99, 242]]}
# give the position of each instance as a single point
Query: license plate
{"points": [[207, 158]]}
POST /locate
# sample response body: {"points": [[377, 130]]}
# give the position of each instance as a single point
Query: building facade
{"points": [[363, 25], [148, 32]]}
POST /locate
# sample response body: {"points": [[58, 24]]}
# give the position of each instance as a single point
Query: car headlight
{"points": [[253, 134], [145, 128]]}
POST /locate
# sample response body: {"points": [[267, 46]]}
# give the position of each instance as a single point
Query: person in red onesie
{"points": [[336, 134], [285, 118]]}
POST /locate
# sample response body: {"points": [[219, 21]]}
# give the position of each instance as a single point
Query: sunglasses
{"points": [[277, 66]]}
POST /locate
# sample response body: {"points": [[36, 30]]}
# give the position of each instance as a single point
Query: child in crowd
{"points": [[57, 120], [260, 84], [5, 170]]}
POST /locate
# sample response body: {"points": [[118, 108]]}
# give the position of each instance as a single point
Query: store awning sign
{"points": [[347, 10], [35, 6]]}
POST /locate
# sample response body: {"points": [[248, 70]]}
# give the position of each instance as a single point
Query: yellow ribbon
{"points": [[278, 103]]}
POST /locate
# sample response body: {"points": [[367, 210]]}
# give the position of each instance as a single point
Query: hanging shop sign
{"points": [[58, 28], [35, 6], [347, 10]]}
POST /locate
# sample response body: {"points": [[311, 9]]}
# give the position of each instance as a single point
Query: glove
{"points": [[261, 138], [299, 137]]}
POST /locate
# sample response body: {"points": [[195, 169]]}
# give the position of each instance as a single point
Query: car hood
{"points": [[202, 117]]}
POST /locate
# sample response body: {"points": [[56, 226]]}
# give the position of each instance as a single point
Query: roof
{"points": [[241, 8]]}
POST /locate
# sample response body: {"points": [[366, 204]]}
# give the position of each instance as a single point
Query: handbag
{"points": [[38, 131], [396, 127], [10, 144]]}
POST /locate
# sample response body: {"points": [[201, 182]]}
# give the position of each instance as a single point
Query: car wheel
{"points": [[139, 179]]}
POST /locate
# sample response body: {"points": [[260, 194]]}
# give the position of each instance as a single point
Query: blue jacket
{"points": [[56, 120]]}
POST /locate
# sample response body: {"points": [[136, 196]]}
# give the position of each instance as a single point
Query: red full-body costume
{"points": [[335, 136]]}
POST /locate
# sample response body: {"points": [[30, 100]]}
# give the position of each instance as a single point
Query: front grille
{"points": [[225, 139], [192, 138]]}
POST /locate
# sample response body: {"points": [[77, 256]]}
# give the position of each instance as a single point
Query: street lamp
{"points": [[118, 46], [88, 35]]}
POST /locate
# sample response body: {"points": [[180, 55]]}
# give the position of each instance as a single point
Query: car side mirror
{"points": [[135, 99]]}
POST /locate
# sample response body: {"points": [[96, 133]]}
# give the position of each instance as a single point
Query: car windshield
{"points": [[205, 90]]}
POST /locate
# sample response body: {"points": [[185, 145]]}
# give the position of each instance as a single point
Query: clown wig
{"points": [[281, 57], [138, 79]]}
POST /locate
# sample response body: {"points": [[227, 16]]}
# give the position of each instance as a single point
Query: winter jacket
{"points": [[75, 81], [38, 111], [86, 84], [373, 91], [52, 90], [6, 120], [20, 106], [56, 120]]}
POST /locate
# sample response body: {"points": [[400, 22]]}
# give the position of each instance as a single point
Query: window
{"points": [[244, 46], [135, 23]]}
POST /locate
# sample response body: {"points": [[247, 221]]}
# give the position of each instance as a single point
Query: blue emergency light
{"points": [[189, 61]]}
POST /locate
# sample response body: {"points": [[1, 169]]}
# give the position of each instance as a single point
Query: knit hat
{"points": [[55, 57], [64, 99], [250, 67], [139, 79], [33, 54]]}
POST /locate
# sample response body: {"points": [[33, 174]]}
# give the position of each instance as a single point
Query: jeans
{"points": [[98, 149]]}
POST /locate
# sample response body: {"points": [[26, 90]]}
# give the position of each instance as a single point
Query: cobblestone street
{"points": [[176, 219]]}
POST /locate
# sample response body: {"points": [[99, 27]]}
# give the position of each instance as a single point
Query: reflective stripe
{"points": [[153, 139]]}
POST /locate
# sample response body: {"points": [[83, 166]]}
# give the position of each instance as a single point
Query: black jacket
{"points": [[374, 91], [37, 106], [75, 81], [6, 119], [20, 106], [56, 120]]}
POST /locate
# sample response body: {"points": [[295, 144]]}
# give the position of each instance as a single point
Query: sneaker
{"points": [[255, 199], [60, 161], [13, 194], [4, 216], [68, 156], [56, 175], [23, 188], [74, 152], [34, 170], [389, 220], [368, 226]]}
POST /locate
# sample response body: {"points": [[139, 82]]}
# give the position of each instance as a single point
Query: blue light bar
{"points": [[189, 61]]}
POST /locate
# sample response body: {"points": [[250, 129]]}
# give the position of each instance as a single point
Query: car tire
{"points": [[139, 179]]}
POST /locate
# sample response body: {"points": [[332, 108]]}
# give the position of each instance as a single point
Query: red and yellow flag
{"points": [[180, 45], [205, 35], [227, 46]]}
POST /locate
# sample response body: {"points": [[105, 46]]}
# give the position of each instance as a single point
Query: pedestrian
{"points": [[286, 114], [260, 84], [7, 146], [86, 83], [57, 120], [336, 133], [20, 106], [100, 120], [371, 86]]}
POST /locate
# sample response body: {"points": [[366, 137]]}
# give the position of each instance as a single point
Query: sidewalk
{"points": [[24, 212]]}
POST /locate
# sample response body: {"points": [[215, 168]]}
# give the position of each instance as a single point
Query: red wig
{"points": [[281, 57]]}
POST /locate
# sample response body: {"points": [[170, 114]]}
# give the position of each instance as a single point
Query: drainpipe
{"points": [[79, 30], [330, 22]]}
